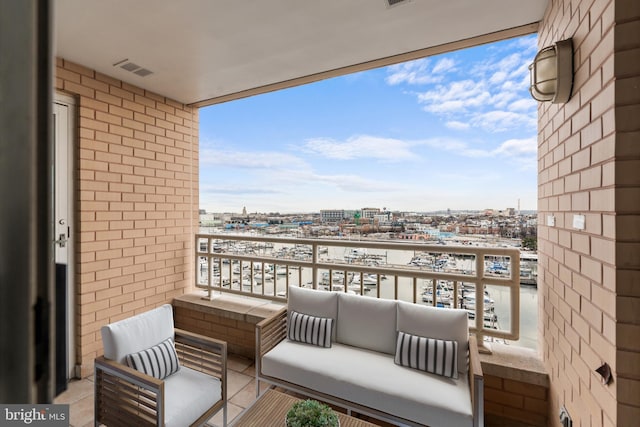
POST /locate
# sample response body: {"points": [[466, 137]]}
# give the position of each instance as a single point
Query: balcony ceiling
{"points": [[205, 51]]}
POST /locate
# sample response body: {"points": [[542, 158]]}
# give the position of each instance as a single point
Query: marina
{"points": [[273, 277]]}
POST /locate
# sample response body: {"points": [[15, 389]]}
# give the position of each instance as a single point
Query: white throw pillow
{"points": [[159, 361], [310, 329], [436, 356]]}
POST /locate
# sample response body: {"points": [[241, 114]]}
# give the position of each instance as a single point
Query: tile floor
{"points": [[241, 388]]}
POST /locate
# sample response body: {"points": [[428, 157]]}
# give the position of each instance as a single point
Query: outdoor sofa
{"points": [[373, 356]]}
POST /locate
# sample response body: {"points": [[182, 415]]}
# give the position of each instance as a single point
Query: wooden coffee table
{"points": [[271, 408]]}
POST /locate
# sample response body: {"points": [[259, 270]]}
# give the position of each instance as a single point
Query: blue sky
{"points": [[454, 131]]}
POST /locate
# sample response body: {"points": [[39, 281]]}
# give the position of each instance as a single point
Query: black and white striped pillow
{"points": [[310, 329], [159, 361], [427, 354]]}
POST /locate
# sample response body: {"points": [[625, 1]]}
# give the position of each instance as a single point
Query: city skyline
{"points": [[454, 131]]}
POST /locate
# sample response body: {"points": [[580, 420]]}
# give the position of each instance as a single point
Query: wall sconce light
{"points": [[552, 73]]}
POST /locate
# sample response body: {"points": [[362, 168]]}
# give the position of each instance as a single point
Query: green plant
{"points": [[311, 413]]}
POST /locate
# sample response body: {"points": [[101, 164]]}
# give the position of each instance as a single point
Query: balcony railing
{"points": [[467, 277]]}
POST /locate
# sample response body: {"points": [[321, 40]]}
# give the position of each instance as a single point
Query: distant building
{"points": [[332, 216], [369, 213], [211, 219]]}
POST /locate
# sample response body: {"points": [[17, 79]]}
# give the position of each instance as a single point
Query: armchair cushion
{"points": [[137, 333], [431, 355], [189, 394], [159, 361]]}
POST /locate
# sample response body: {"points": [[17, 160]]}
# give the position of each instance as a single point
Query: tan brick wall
{"points": [[515, 400], [627, 221], [136, 197], [239, 333], [588, 164]]}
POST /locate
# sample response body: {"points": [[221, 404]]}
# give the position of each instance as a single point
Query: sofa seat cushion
{"points": [[372, 379], [188, 395]]}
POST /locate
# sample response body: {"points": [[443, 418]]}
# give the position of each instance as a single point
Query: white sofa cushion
{"points": [[313, 302], [367, 322], [310, 329], [372, 379], [427, 354], [188, 395], [137, 333], [440, 323]]}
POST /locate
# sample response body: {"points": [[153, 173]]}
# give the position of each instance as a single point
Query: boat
{"points": [[367, 279], [469, 302], [258, 277], [282, 271]]}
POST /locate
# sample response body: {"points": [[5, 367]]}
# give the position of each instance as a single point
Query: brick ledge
{"points": [[515, 363], [250, 310]]}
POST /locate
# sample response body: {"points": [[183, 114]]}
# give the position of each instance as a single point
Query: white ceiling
{"points": [[199, 50]]}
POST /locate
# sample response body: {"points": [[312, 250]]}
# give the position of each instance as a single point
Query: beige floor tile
{"points": [[250, 370], [236, 382], [76, 390], [238, 363], [245, 397], [232, 412], [81, 412]]}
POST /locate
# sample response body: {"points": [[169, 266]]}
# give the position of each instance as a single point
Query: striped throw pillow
{"points": [[159, 361], [427, 354], [310, 329]]}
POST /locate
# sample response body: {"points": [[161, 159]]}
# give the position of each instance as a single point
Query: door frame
{"points": [[70, 130]]}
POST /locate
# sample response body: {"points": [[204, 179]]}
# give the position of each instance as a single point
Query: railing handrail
{"points": [[478, 277]]}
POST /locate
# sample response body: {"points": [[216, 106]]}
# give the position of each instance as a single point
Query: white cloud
{"points": [[489, 94], [249, 159], [361, 146], [456, 97], [523, 104], [444, 65], [419, 72], [518, 147], [522, 152], [456, 125], [500, 120]]}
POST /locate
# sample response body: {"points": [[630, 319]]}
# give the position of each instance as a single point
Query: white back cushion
{"points": [[315, 303], [440, 323], [367, 322], [137, 333]]}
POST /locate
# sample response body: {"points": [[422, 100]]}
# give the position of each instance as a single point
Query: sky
{"points": [[454, 131]]}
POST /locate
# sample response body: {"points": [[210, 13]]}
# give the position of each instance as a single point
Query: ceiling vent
{"points": [[125, 64], [395, 2]]}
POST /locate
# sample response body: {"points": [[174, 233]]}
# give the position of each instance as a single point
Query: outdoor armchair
{"points": [[185, 382]]}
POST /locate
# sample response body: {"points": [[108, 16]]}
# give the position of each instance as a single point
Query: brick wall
{"points": [[627, 178], [236, 330], [589, 280], [514, 400], [136, 197]]}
